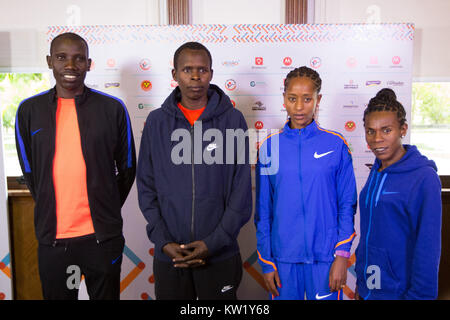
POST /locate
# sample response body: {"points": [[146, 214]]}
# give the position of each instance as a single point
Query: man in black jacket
{"points": [[77, 154], [195, 193]]}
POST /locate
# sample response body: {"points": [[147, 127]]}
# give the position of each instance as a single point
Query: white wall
{"points": [[23, 25], [432, 27], [237, 11]]}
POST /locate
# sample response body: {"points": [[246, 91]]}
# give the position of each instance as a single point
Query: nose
{"points": [[378, 136], [195, 74], [70, 64]]}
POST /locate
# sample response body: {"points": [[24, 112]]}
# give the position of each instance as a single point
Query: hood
{"points": [[411, 160], [218, 103]]}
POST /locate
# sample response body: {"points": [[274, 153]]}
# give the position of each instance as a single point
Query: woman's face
{"points": [[301, 100], [384, 136]]}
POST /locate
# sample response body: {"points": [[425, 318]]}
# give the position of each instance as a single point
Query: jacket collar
{"points": [[308, 131], [78, 99]]}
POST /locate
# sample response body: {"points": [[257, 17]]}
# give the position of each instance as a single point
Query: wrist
{"points": [[341, 253]]}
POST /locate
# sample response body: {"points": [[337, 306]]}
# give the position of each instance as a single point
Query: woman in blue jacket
{"points": [[306, 200], [400, 211]]}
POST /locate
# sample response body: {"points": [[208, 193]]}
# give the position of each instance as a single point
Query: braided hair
{"points": [[304, 72], [386, 100]]}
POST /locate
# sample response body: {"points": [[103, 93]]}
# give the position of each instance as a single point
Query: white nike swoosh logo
{"points": [[211, 147], [322, 297], [317, 156], [226, 288]]}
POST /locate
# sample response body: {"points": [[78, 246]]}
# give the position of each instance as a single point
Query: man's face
{"points": [[69, 62], [193, 74]]}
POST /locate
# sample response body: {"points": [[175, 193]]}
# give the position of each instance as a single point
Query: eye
{"points": [[387, 130], [370, 132], [60, 57], [307, 100], [186, 70], [292, 99]]}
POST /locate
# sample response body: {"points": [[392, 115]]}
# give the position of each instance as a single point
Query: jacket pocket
{"points": [[379, 265]]}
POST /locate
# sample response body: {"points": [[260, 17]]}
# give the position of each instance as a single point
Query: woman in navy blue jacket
{"points": [[305, 200], [400, 211]]}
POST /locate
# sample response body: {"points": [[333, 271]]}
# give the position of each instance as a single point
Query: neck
{"points": [[194, 104]]}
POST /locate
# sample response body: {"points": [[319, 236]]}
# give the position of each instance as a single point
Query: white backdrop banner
{"points": [[250, 63], [5, 266]]}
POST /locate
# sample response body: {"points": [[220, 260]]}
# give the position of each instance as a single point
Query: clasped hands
{"points": [[188, 255]]}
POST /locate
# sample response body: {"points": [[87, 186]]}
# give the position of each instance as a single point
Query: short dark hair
{"points": [[386, 100], [191, 46], [68, 35], [304, 72]]}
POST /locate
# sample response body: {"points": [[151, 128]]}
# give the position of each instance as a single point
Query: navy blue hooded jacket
{"points": [[202, 193], [400, 245]]}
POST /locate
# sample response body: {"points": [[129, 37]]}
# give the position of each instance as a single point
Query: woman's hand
{"points": [[338, 274], [272, 281]]}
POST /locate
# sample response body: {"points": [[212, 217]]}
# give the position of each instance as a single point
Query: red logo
{"points": [[396, 60], [259, 61], [259, 125], [173, 83], [350, 126], [233, 103], [146, 85], [315, 62], [145, 64], [230, 84], [111, 62], [287, 61]]}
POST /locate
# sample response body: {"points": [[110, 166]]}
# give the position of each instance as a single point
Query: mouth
{"points": [[298, 117], [196, 89], [70, 77], [379, 150]]}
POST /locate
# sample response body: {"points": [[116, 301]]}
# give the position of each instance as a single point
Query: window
{"points": [[430, 123], [14, 87]]}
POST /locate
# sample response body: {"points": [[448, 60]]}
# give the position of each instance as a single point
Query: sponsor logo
{"points": [[257, 83], [395, 83], [315, 62], [373, 83], [230, 85], [112, 84], [259, 61], [233, 103], [352, 62], [318, 156], [259, 125], [111, 62], [145, 64], [396, 60], [350, 126], [322, 297], [351, 85], [146, 85], [351, 105], [173, 83], [226, 288], [211, 147], [230, 63], [258, 106], [142, 106], [287, 61]]}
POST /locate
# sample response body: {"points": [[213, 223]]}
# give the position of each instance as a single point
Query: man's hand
{"points": [[195, 254], [174, 251], [272, 281], [338, 274]]}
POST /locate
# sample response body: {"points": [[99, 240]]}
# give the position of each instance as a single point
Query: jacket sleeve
{"points": [[23, 145], [426, 211], [147, 195], [239, 203], [347, 201], [264, 210], [125, 156]]}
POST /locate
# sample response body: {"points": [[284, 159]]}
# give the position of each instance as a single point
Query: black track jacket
{"points": [[109, 153]]}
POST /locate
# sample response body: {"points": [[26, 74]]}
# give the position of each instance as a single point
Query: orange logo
{"points": [[146, 85], [350, 126]]}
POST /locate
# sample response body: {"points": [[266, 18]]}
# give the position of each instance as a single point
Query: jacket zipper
{"points": [[301, 194], [193, 184]]}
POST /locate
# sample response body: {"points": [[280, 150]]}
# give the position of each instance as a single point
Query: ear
{"points": [[404, 129], [49, 62], [212, 72], [89, 64], [174, 75]]}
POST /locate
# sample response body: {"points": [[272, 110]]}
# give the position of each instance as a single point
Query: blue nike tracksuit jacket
{"points": [[305, 203], [400, 213]]}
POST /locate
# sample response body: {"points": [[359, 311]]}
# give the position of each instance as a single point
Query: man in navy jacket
{"points": [[194, 184]]}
